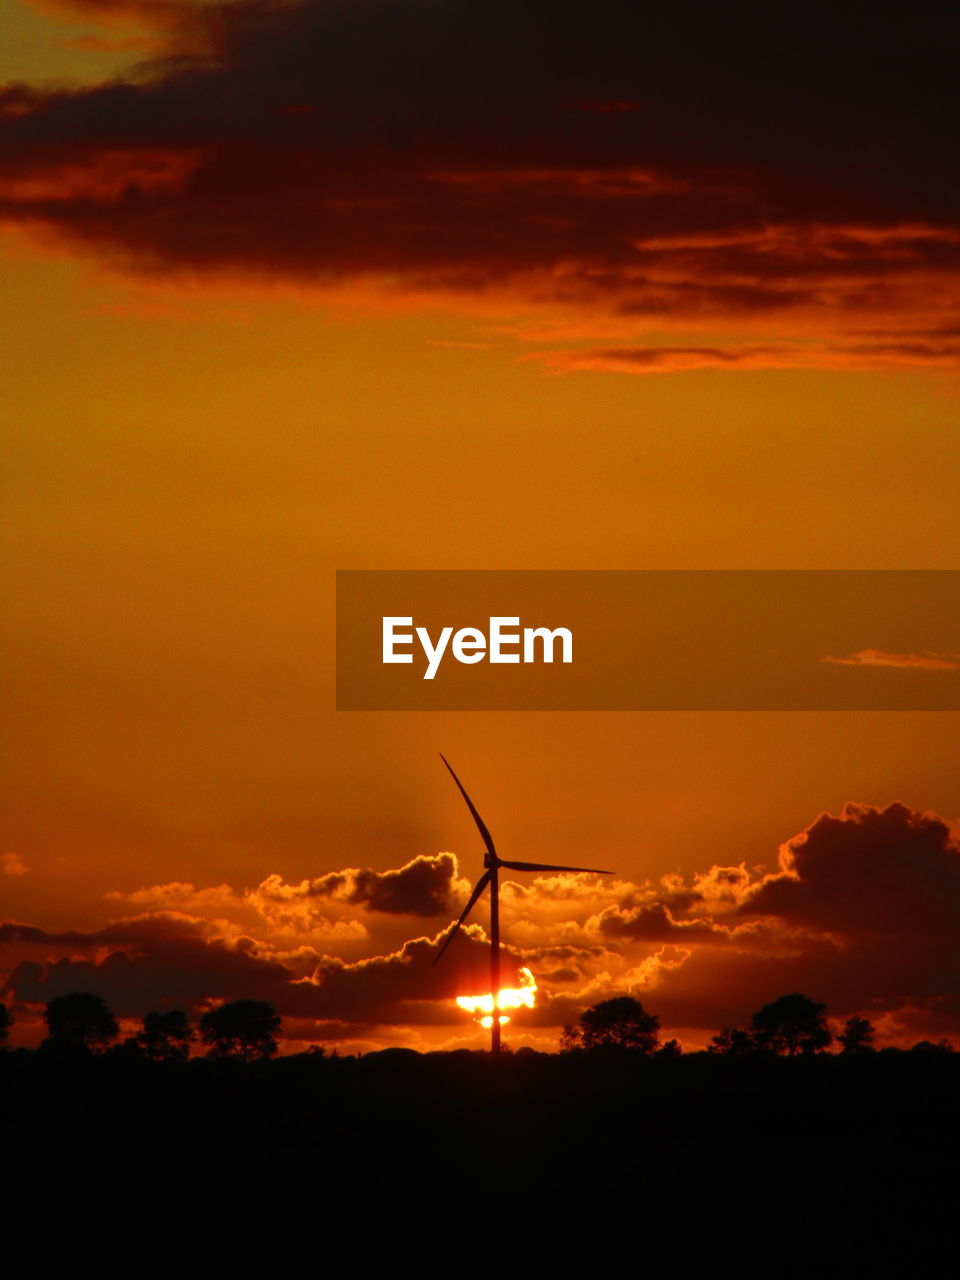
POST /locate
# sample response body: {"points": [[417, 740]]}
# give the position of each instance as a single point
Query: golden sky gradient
{"points": [[195, 443]]}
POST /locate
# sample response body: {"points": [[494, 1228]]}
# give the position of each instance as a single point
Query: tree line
{"points": [[80, 1022], [793, 1025]]}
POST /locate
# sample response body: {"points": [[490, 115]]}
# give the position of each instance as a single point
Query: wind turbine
{"points": [[490, 877]]}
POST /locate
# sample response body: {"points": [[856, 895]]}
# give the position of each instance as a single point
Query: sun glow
{"points": [[522, 997]]}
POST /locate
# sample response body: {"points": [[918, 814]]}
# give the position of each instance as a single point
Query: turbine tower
{"points": [[492, 862]]}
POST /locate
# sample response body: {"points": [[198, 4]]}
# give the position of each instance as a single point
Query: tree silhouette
{"points": [[80, 1021], [790, 1025], [620, 1022], [733, 1042], [857, 1036], [5, 1024], [928, 1046], [670, 1050], [245, 1029], [165, 1036]]}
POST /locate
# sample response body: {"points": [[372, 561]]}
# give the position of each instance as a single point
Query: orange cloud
{"points": [[911, 661], [180, 896]]}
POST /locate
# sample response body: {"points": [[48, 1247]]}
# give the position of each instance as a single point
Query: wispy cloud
{"points": [[909, 661], [832, 353]]}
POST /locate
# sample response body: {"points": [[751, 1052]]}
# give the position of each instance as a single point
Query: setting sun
{"points": [[522, 997]]}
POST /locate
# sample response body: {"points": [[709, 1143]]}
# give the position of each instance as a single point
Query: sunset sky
{"points": [[300, 287]]}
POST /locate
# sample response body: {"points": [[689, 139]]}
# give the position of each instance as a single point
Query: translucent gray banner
{"points": [[648, 640]]}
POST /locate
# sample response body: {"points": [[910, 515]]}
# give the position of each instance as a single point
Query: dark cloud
{"points": [[14, 931], [152, 962], [562, 974], [165, 959], [868, 871], [688, 161], [426, 886], [865, 915], [654, 923]]}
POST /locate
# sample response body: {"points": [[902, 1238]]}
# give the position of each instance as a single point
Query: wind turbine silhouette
{"points": [[490, 877]]}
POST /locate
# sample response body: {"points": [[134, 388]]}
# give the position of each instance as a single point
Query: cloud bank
{"points": [[780, 182], [862, 911]]}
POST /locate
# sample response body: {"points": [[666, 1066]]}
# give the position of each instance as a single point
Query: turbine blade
{"points": [[487, 837], [478, 888], [544, 866]]}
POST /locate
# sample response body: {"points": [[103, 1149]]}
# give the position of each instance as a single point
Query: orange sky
{"points": [[576, 347]]}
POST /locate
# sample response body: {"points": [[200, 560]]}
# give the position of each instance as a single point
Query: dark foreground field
{"points": [[817, 1166]]}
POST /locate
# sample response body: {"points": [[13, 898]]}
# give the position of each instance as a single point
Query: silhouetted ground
{"points": [[820, 1166]]}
